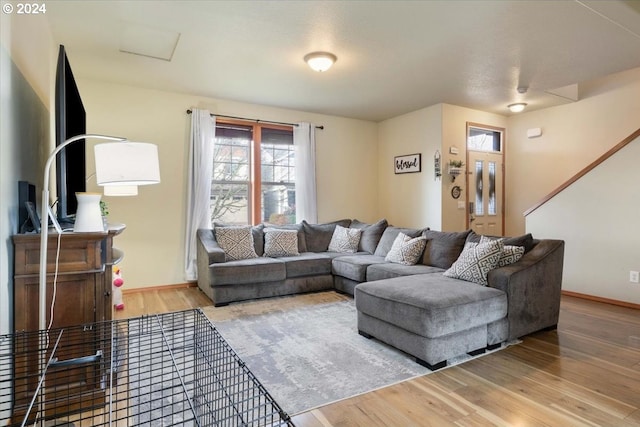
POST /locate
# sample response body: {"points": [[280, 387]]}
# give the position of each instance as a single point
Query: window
{"points": [[242, 153], [484, 140]]}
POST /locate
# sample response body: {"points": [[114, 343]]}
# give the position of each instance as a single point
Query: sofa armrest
{"points": [[208, 249], [533, 286]]}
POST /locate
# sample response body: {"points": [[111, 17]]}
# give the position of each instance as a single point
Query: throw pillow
{"points": [[345, 240], [318, 236], [406, 250], [475, 262], [526, 240], [236, 242], [302, 242], [280, 243], [371, 234], [389, 236], [510, 253], [443, 248], [256, 230]]}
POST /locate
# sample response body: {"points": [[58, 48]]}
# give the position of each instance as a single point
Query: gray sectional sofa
{"points": [[415, 308]]}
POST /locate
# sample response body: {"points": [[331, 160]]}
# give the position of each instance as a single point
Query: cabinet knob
{"points": [[107, 293]]}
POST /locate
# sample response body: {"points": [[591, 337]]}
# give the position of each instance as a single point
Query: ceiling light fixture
{"points": [[320, 61], [517, 107]]}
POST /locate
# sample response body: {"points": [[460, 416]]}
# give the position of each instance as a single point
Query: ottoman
{"points": [[429, 316]]}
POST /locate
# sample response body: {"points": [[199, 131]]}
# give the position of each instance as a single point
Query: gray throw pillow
{"points": [[526, 240], [389, 236], [371, 234], [443, 248], [318, 236]]}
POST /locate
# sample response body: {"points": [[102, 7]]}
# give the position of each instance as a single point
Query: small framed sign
{"points": [[409, 163]]}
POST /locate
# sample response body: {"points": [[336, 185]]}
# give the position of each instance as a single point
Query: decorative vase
{"points": [[88, 215]]}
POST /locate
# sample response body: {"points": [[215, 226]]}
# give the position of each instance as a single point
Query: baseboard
{"points": [[160, 288], [602, 299]]}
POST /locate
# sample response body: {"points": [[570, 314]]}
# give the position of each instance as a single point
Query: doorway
{"points": [[485, 179]]}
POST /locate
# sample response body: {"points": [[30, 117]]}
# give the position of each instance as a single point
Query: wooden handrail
{"points": [[584, 171]]}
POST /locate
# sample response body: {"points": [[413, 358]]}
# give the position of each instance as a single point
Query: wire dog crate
{"points": [[172, 369]]}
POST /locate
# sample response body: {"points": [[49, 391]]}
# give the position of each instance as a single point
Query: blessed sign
{"points": [[408, 164]]}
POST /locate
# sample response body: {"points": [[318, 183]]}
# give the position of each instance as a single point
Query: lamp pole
{"points": [[44, 226]]}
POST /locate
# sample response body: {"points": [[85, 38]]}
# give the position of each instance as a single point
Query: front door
{"points": [[485, 180]]}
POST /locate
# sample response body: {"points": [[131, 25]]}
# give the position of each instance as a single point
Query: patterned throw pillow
{"points": [[475, 262], [406, 250], [345, 240], [279, 242], [236, 242], [510, 254]]}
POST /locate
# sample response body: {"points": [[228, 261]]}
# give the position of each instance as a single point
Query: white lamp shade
{"points": [[127, 163], [120, 190]]}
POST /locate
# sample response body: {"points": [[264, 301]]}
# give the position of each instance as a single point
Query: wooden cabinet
{"points": [[82, 299]]}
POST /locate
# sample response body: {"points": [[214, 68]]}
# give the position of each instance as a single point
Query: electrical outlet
{"points": [[634, 276]]}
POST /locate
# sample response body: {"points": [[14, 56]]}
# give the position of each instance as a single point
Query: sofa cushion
{"points": [[371, 234], [318, 236], [443, 248], [476, 260], [307, 264], [236, 242], [247, 271], [431, 305], [390, 270], [345, 240], [280, 243], [389, 236], [354, 267], [406, 250]]}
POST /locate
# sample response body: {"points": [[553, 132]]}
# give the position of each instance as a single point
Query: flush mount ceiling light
{"points": [[320, 61], [517, 107]]}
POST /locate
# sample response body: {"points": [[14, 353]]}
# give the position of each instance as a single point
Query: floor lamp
{"points": [[120, 164]]}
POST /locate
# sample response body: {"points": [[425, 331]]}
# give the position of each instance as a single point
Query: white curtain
{"points": [[202, 139], [304, 141]]}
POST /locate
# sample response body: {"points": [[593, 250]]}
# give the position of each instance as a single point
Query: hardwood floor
{"points": [[587, 373]]}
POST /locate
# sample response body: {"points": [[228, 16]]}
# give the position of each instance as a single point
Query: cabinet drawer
{"points": [[79, 252]]}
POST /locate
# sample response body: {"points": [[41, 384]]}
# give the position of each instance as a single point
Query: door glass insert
{"points": [[479, 206], [492, 202]]}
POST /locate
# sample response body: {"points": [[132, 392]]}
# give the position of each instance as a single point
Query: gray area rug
{"points": [[313, 355]]}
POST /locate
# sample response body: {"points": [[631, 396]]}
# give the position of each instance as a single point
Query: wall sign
{"points": [[409, 163]]}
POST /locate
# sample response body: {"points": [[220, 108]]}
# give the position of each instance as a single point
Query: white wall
{"points": [[574, 135], [411, 199], [598, 217], [418, 200], [27, 64], [154, 239]]}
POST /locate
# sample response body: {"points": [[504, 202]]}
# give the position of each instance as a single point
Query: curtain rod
{"points": [[256, 120]]}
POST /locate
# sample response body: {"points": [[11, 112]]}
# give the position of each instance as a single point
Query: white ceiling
{"points": [[393, 56]]}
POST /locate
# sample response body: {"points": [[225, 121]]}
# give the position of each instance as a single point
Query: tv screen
{"points": [[70, 122]]}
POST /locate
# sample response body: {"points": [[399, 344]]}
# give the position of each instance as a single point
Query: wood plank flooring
{"points": [[587, 373]]}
